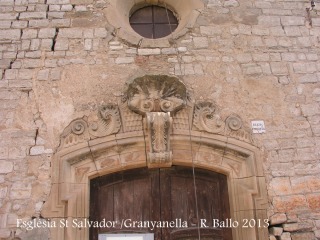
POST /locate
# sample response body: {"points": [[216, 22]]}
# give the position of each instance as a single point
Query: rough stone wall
{"points": [[60, 59]]}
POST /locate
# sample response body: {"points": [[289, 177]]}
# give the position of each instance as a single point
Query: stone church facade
{"points": [[83, 96]]}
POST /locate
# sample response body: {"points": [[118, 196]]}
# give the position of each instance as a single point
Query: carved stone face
{"points": [[156, 93]]}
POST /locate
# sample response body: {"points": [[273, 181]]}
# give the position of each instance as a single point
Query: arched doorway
{"points": [[157, 127], [181, 203]]}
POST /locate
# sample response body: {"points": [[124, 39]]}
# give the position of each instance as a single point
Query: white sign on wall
{"points": [[258, 126]]}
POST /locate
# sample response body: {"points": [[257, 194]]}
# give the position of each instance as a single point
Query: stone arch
{"points": [[119, 139]]}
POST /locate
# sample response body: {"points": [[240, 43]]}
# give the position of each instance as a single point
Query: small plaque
{"points": [[258, 126]]}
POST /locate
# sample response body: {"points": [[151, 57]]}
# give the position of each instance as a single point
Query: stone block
{"points": [[271, 237], [70, 33], [58, 1], [244, 57], [281, 186], [19, 24], [6, 166], [300, 227], [292, 31], [168, 51], [290, 227], [277, 31], [284, 42], [8, 16], [261, 57], [61, 44], [303, 236], [32, 63], [36, 150], [276, 231], [66, 8], [3, 192], [309, 78], [285, 236], [80, 8], [32, 54], [20, 190], [81, 1], [200, 42], [47, 33], [279, 68], [56, 15], [292, 20], [269, 21], [231, 3], [55, 73], [289, 57], [149, 51], [33, 15], [210, 30], [289, 203], [304, 41], [251, 69], [255, 41], [314, 201], [88, 33], [43, 75], [10, 34], [25, 74], [29, 34], [261, 31], [41, 6], [5, 24], [11, 74], [310, 109], [39, 23], [124, 60], [46, 44], [54, 8], [5, 63], [7, 2], [100, 32], [60, 23], [20, 8]]}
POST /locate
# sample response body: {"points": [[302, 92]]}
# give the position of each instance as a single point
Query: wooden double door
{"points": [[175, 204]]}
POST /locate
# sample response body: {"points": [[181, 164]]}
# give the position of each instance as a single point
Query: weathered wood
{"points": [[166, 195]]}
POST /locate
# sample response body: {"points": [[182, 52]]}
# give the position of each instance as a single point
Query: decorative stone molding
{"points": [[159, 129], [199, 137], [155, 97], [108, 121], [206, 118], [237, 130], [81, 131], [156, 93], [118, 12]]}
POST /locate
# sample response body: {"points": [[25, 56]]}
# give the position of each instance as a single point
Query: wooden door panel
{"points": [[162, 194], [180, 201]]}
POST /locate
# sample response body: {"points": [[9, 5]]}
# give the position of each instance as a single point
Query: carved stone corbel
{"points": [[155, 97], [159, 128]]}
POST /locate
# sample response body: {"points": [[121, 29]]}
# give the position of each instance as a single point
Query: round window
{"points": [[153, 22]]}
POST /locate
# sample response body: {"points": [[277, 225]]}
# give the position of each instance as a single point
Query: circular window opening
{"points": [[153, 22]]}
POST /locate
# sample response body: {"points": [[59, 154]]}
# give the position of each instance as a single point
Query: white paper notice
{"points": [[258, 126]]}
